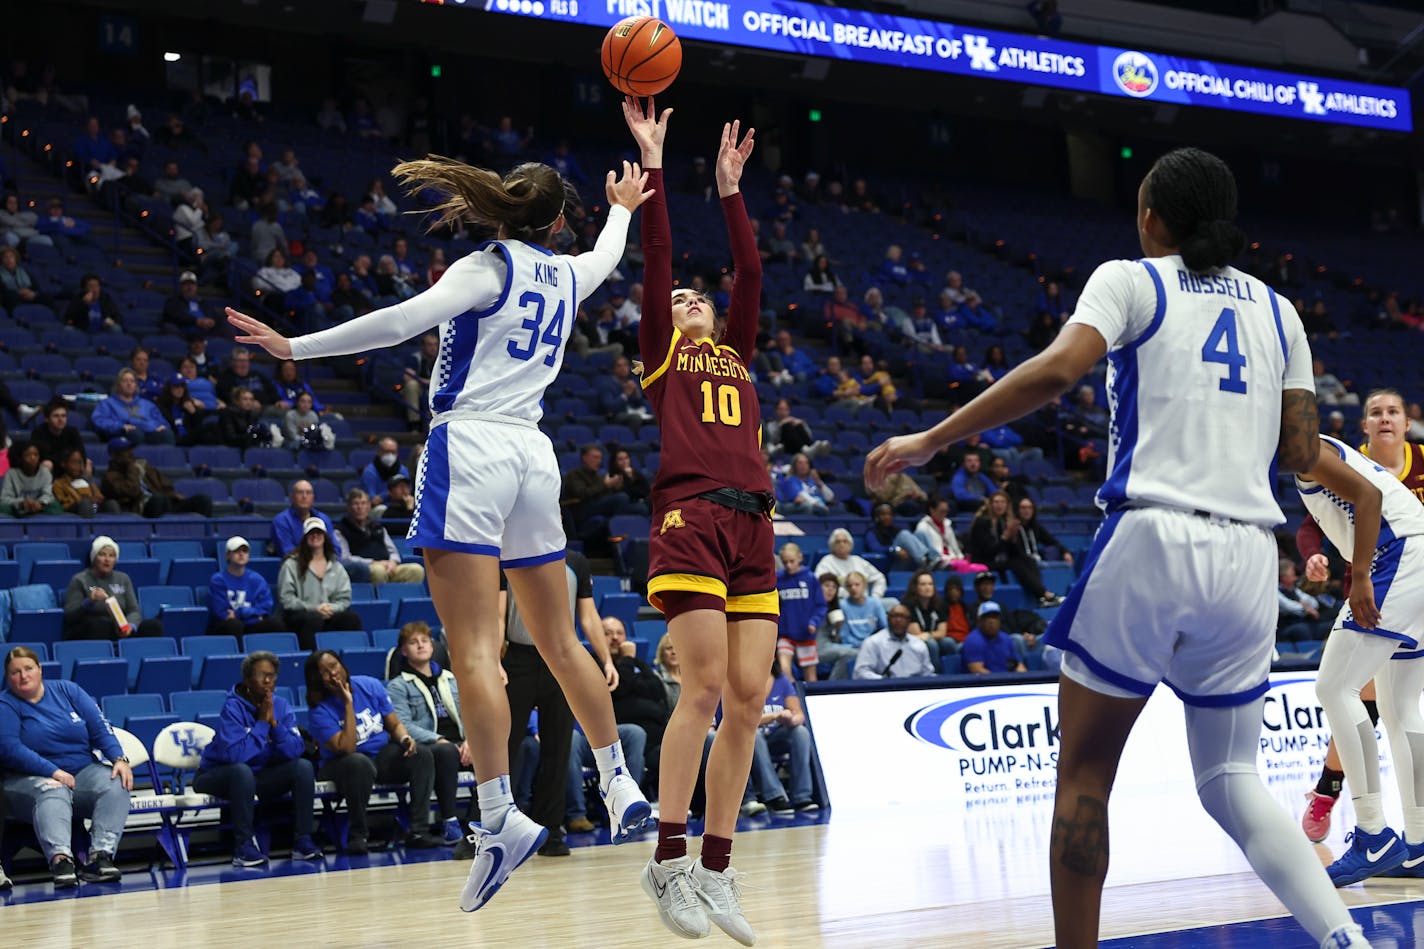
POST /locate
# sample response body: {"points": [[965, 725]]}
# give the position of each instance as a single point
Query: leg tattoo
{"points": [[1082, 842]]}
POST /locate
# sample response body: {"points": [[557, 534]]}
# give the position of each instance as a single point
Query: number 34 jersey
{"points": [[1197, 363], [709, 419]]}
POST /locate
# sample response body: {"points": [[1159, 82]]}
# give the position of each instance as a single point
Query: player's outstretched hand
{"points": [[896, 454], [1317, 569], [257, 333], [648, 128], [732, 157], [1362, 602], [631, 189]]}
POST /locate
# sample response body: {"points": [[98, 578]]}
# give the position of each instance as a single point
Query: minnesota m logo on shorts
{"points": [[672, 519]]}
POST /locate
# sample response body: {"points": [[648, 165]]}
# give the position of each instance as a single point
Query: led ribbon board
{"points": [[860, 36]]}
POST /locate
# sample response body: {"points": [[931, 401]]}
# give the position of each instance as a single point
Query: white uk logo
{"points": [[1311, 98], [981, 54]]}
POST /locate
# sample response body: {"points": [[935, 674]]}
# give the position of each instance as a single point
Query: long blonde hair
{"points": [[525, 204]]}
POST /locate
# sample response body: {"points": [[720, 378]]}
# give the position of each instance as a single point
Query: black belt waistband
{"points": [[760, 502]]}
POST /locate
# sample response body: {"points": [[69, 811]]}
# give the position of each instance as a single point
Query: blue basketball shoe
{"points": [[1413, 865], [1369, 855]]}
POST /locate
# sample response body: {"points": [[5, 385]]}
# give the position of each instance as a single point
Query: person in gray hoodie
{"points": [[314, 590], [27, 488], [427, 702], [87, 614]]}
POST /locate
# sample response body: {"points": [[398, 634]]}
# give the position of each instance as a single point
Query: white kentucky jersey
{"points": [[500, 359], [1401, 514], [1196, 366]]}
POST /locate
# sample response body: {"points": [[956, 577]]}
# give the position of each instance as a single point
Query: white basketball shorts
{"points": [[489, 487], [1397, 574], [1170, 596]]}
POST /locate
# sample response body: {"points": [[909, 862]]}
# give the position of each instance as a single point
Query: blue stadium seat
{"points": [[220, 672], [625, 606], [951, 665], [181, 622], [135, 650], [414, 608], [40, 649], [146, 727], [101, 677], [366, 662], [604, 585], [293, 666], [649, 632], [55, 574], [215, 457], [42, 626], [151, 600], [166, 551], [163, 456], [190, 706], [190, 572], [270, 642], [258, 491], [143, 571], [212, 487], [399, 591], [118, 708], [265, 567], [342, 640], [374, 613], [274, 460], [69, 652], [385, 638], [28, 553], [201, 647], [165, 674]]}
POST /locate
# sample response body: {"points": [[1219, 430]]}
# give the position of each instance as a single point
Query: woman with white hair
{"points": [[101, 602], [841, 562]]}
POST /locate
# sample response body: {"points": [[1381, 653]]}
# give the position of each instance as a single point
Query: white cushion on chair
{"points": [[133, 748], [181, 745]]}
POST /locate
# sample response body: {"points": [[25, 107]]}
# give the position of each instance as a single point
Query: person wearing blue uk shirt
{"points": [[986, 649], [240, 600], [803, 610], [257, 752]]}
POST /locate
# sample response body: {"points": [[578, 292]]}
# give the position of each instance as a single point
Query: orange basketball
{"points": [[641, 56]]}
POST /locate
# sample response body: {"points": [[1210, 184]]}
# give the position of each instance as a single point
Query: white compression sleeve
{"points": [[593, 267], [1397, 688], [1351, 659], [1223, 747], [472, 282]]}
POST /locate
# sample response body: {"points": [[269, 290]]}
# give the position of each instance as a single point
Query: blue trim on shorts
{"points": [[1136, 686], [440, 543], [534, 561], [1416, 654], [1382, 574], [1229, 700]]}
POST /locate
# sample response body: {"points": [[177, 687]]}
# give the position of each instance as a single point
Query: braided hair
{"points": [[1194, 194]]}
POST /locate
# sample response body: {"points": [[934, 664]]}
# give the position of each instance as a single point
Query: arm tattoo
{"points": [[1082, 841], [1300, 430]]}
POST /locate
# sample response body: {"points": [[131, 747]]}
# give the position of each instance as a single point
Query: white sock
{"points": [[1414, 825], [496, 800], [1351, 935], [610, 763], [1369, 813]]}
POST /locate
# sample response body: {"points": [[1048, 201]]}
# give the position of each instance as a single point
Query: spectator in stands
{"points": [[130, 185], [16, 285], [330, 119], [346, 301], [380, 470], [640, 701], [803, 611], [336, 212], [802, 490], [190, 221], [507, 141], [140, 488], [366, 549], [325, 278], [782, 731], [1051, 301], [290, 526], [779, 248], [784, 433], [902, 493], [240, 600], [811, 247], [267, 235], [171, 185], [996, 364], [589, 492], [669, 669], [186, 311], [313, 589], [922, 328], [1317, 321], [1416, 422], [175, 135], [1088, 419], [257, 751], [437, 266], [60, 227], [994, 539], [820, 278], [426, 699], [400, 502], [986, 649], [217, 245], [937, 531], [303, 199], [28, 487], [56, 438], [240, 373], [966, 379], [900, 547], [276, 279], [150, 386], [561, 159], [127, 414], [970, 485], [841, 562], [392, 286], [362, 741], [75, 489], [1335, 425], [1043, 331], [93, 309], [200, 387], [60, 760], [635, 483], [892, 652], [18, 225], [829, 647], [248, 182], [954, 285], [861, 198], [847, 321], [88, 613], [1033, 537], [875, 382], [365, 217], [863, 613], [892, 270], [405, 266], [240, 423], [957, 622], [1329, 389], [416, 377], [303, 426], [1300, 616], [94, 153], [793, 361]]}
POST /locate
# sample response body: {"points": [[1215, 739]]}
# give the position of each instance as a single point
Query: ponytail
{"points": [[1213, 245], [525, 204], [1194, 194]]}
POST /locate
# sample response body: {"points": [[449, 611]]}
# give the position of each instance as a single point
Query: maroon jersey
{"points": [[706, 404]]}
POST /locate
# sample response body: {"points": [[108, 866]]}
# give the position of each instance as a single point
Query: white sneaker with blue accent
{"points": [[681, 905], [497, 855], [628, 810], [723, 894], [1346, 937]]}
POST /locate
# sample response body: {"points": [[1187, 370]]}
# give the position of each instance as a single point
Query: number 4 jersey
{"points": [[710, 421], [1197, 363]]}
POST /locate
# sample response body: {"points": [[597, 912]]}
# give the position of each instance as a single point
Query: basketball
{"points": [[641, 56]]}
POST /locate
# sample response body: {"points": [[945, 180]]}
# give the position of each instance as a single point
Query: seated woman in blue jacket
{"points": [[59, 757], [427, 701], [257, 752], [129, 414]]}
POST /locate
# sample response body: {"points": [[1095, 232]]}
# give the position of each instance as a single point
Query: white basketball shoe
{"points": [[497, 855]]}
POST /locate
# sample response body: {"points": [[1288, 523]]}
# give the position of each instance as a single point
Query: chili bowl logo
{"points": [[1135, 74]]}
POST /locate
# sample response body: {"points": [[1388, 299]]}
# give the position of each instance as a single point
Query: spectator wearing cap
{"points": [[141, 488], [186, 312], [127, 414], [239, 600], [188, 417], [60, 227], [366, 549], [987, 649], [382, 468], [289, 527], [892, 653], [400, 502], [314, 590], [87, 611], [28, 487]]}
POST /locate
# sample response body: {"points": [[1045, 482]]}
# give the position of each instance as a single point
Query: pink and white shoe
{"points": [[1316, 820]]}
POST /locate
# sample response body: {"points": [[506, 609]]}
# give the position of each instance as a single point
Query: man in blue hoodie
{"points": [[239, 600], [803, 610], [257, 752]]}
